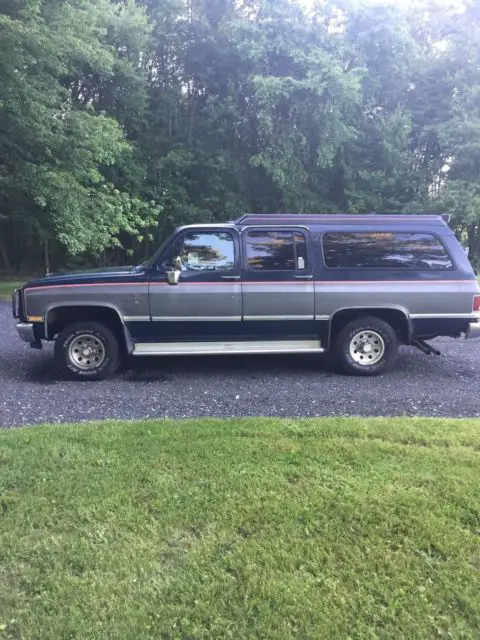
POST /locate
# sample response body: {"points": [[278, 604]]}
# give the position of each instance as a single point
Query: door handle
{"points": [[303, 277], [230, 277]]}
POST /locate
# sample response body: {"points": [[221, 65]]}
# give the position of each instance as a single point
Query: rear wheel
{"points": [[366, 347], [87, 351]]}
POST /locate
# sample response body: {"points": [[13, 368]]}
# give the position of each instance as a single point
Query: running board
{"points": [[212, 348]]}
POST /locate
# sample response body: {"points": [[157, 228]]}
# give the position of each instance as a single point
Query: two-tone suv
{"points": [[355, 285]]}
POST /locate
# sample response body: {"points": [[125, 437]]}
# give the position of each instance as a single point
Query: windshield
{"points": [[148, 263]]}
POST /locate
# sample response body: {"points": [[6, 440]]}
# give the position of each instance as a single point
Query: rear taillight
{"points": [[476, 303]]}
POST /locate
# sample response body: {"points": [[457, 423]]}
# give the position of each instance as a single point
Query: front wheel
{"points": [[87, 351], [366, 347]]}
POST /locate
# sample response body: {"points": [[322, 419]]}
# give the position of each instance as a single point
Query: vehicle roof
{"points": [[314, 219], [337, 221]]}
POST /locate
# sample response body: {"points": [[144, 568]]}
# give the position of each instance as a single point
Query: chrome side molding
{"points": [[211, 348]]}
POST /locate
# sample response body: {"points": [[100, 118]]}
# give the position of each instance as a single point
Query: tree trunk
{"points": [[473, 233], [46, 257], [5, 258]]}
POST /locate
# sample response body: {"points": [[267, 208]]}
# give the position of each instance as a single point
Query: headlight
{"points": [[16, 303]]}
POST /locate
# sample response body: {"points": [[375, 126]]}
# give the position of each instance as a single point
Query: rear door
{"points": [[277, 281]]}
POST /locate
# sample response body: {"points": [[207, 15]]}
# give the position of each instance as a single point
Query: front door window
{"points": [[203, 252]]}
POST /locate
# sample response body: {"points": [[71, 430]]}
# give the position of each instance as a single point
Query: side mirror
{"points": [[173, 275]]}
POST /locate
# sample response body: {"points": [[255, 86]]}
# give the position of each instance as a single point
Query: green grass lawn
{"points": [[7, 286], [258, 529]]}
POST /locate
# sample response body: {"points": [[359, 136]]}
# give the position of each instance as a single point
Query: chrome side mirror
{"points": [[173, 275]]}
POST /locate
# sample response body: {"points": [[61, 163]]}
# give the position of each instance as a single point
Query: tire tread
{"points": [[341, 348], [101, 331]]}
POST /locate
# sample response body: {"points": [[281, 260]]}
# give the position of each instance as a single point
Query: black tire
{"points": [[361, 328], [95, 336]]}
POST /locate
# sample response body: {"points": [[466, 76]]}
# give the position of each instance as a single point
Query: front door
{"points": [[207, 301], [277, 281]]}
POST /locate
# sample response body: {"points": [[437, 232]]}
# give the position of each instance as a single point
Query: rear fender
{"points": [[397, 316]]}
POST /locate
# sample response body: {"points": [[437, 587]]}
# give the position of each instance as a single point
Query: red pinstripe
{"points": [[255, 282]]}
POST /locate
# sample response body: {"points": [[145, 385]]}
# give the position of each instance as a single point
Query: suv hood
{"points": [[90, 275]]}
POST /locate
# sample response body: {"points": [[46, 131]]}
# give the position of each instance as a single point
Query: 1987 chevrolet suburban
{"points": [[355, 285]]}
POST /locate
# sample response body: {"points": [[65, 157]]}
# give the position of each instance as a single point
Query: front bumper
{"points": [[26, 332], [473, 330]]}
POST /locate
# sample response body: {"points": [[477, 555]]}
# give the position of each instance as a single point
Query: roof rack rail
{"points": [[335, 218]]}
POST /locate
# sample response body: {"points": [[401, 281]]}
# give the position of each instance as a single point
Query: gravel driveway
{"points": [[235, 386]]}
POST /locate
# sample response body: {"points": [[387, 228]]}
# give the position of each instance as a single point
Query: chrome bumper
{"points": [[25, 331], [473, 330]]}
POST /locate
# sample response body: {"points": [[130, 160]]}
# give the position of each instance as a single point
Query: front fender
{"points": [[87, 310]]}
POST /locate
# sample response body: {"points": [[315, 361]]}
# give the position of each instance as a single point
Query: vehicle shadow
{"points": [[38, 368], [166, 367]]}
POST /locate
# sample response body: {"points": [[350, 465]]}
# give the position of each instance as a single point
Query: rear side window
{"points": [[276, 250], [384, 250]]}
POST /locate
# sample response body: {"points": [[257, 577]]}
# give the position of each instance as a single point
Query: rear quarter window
{"points": [[384, 250]]}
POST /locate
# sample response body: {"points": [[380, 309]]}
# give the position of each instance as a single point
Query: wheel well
{"points": [[59, 317], [396, 318]]}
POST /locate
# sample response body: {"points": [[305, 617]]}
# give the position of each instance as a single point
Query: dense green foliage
{"points": [[121, 119], [253, 528]]}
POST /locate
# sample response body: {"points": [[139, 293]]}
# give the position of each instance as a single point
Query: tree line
{"points": [[120, 120]]}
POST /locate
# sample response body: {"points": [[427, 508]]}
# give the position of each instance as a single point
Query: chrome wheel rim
{"points": [[367, 348], [86, 352]]}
